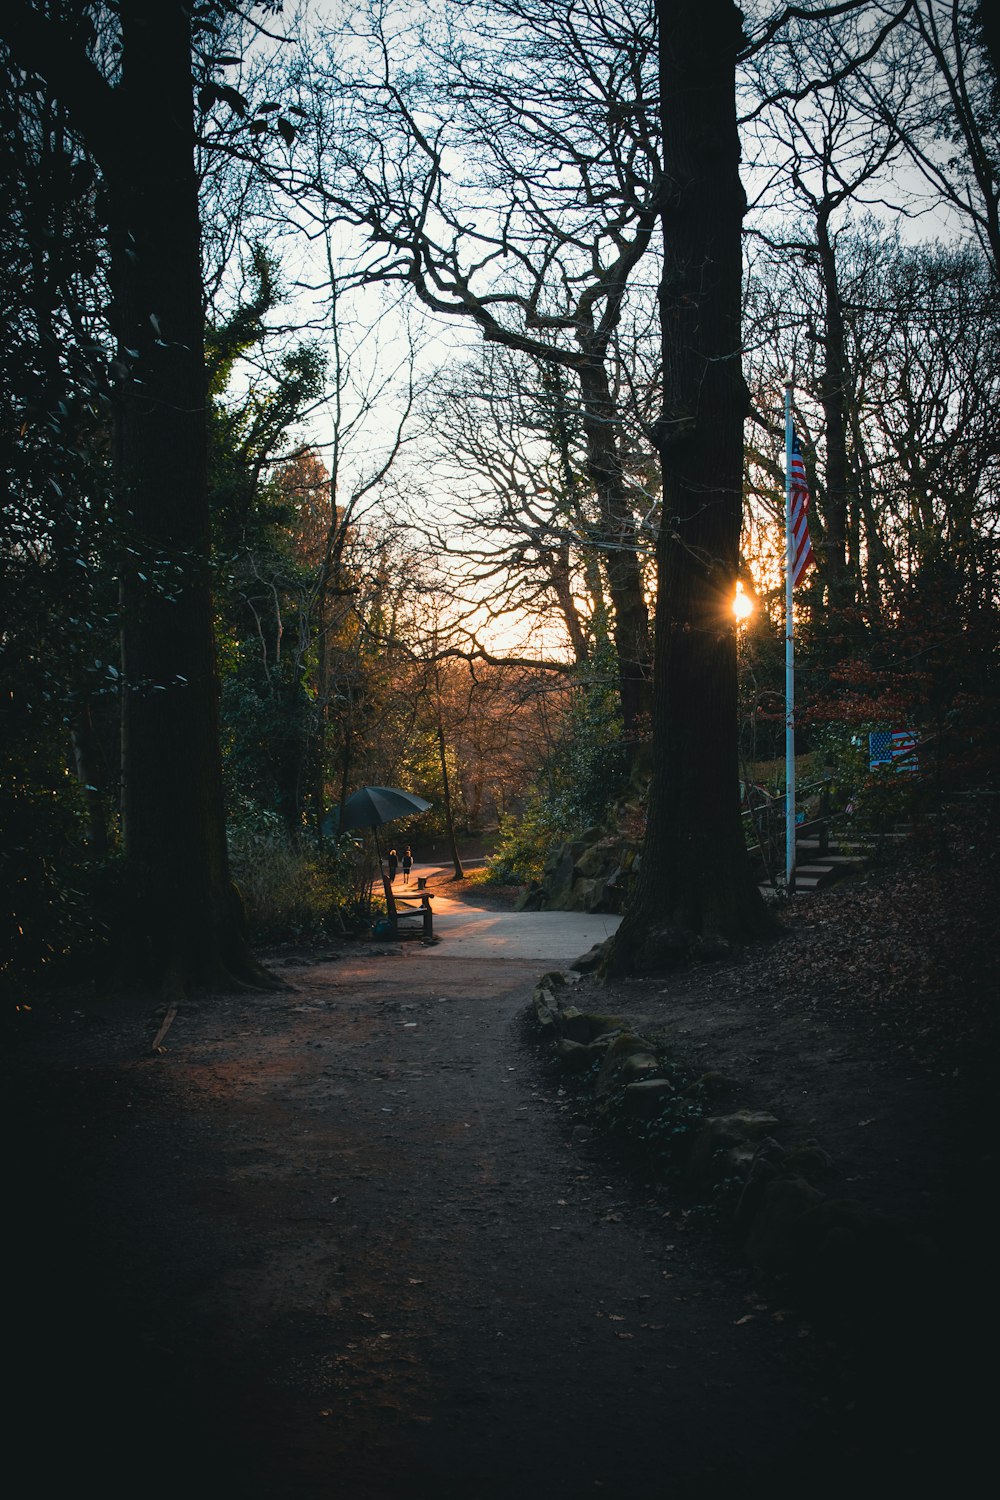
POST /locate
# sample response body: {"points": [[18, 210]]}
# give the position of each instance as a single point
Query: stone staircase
{"points": [[842, 857], [814, 869]]}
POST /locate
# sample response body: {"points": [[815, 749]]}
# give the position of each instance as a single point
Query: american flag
{"points": [[802, 552], [892, 747]]}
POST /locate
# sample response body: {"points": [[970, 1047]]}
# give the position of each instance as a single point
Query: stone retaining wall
{"points": [[776, 1196]]}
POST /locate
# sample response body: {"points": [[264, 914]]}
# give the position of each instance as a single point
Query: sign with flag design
{"points": [[801, 547], [892, 747]]}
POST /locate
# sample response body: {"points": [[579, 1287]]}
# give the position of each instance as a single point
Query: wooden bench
{"points": [[402, 909]]}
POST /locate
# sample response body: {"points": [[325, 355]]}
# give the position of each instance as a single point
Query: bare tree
{"points": [[511, 180], [921, 349], [521, 519], [828, 159], [947, 116]]}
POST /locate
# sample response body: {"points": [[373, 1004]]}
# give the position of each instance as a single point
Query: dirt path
{"points": [[349, 1242]]}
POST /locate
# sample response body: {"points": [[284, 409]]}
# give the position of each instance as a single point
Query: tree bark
{"points": [[833, 395], [630, 626], [695, 890], [184, 921], [561, 579], [449, 818]]}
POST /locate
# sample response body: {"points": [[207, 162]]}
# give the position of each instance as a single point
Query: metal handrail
{"points": [[773, 812]]}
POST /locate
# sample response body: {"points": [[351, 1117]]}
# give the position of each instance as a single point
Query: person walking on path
{"points": [[393, 862], [407, 864]]}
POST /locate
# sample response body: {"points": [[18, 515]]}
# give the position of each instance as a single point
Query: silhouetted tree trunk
{"points": [[449, 818], [184, 923], [834, 397], [630, 628], [695, 888], [182, 920]]}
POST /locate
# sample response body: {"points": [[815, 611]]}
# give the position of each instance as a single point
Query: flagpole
{"points": [[789, 654]]}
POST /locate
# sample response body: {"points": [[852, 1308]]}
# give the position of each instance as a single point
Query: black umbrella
{"points": [[374, 805]]}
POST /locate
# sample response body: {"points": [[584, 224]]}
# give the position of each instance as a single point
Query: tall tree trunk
{"points": [[449, 818], [561, 578], [630, 625], [319, 747], [184, 922], [695, 888], [833, 395]]}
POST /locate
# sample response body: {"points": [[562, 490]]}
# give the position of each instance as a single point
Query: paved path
{"points": [[552, 939]]}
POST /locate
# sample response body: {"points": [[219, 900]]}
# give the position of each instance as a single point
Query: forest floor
{"points": [[356, 1239]]}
